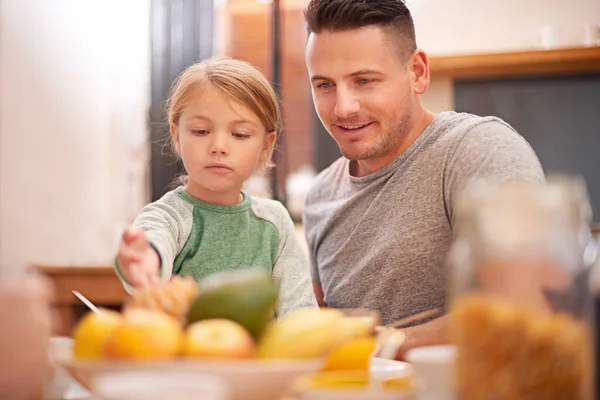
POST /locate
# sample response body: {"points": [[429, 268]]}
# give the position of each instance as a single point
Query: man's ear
{"points": [[419, 67], [175, 136]]}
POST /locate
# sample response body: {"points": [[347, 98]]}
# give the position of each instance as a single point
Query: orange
{"points": [[145, 335], [92, 332]]}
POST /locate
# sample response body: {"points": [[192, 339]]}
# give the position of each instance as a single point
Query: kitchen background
{"points": [[81, 86]]}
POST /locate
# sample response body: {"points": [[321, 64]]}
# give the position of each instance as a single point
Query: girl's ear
{"points": [[270, 141], [175, 135], [268, 147]]}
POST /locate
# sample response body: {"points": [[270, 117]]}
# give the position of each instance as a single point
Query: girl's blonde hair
{"points": [[238, 80]]}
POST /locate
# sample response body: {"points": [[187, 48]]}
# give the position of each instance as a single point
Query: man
{"points": [[379, 220]]}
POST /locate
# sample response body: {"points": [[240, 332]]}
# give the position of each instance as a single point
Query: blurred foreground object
{"points": [[24, 339], [519, 299], [160, 385]]}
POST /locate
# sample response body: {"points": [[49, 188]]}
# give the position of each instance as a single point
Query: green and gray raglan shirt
{"points": [[196, 238]]}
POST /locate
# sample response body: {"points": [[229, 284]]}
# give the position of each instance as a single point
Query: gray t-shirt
{"points": [[380, 241]]}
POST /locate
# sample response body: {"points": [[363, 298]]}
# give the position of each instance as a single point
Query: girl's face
{"points": [[220, 142]]}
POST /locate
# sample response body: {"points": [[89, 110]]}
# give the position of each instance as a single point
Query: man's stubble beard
{"points": [[385, 142]]}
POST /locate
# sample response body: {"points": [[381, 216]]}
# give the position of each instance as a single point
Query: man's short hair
{"points": [[342, 15]]}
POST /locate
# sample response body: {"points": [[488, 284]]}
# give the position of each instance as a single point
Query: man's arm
{"points": [[318, 289], [431, 333], [492, 151], [436, 331]]}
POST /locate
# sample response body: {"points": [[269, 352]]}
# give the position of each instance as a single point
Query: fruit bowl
{"points": [[245, 379]]}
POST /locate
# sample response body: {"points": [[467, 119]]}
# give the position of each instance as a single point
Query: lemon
{"points": [[405, 382], [353, 380], [145, 335], [357, 327], [336, 379], [92, 332], [353, 355]]}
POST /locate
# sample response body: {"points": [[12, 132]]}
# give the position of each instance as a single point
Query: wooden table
{"points": [[99, 284]]}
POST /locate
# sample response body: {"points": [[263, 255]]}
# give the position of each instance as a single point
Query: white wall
{"points": [[476, 26], [74, 95], [452, 27]]}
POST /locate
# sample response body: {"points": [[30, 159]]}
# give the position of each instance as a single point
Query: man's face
{"points": [[362, 90]]}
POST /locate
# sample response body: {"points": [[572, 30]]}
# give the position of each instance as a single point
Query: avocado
{"points": [[246, 296]]}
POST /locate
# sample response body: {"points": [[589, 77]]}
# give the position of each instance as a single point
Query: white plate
{"points": [[387, 369]]}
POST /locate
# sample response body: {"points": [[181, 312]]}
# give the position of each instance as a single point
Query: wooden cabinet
{"points": [[569, 61], [99, 284]]}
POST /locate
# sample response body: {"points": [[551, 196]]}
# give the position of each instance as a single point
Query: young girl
{"points": [[223, 117]]}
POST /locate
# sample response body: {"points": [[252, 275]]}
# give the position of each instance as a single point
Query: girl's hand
{"points": [[138, 261]]}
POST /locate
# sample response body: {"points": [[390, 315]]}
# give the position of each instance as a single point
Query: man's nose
{"points": [[346, 103]]}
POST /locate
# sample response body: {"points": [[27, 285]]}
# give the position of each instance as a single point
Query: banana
{"points": [[307, 333], [357, 327]]}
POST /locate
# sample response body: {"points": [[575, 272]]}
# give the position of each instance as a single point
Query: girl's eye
{"points": [[241, 135], [199, 132]]}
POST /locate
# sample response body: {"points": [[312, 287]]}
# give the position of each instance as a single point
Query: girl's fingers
{"points": [[127, 256], [130, 234]]}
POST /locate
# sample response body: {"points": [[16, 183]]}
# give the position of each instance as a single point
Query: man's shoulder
{"points": [[456, 126], [334, 170], [328, 176], [474, 134], [461, 133], [490, 148]]}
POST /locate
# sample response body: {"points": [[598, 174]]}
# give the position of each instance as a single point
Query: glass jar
{"points": [[520, 307], [594, 286]]}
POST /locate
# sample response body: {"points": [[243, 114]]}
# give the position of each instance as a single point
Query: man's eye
{"points": [[324, 85], [363, 81]]}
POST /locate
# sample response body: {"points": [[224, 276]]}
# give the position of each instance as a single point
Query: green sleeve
{"points": [[291, 271], [167, 223]]}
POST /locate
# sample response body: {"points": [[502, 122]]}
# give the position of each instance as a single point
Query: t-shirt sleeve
{"points": [[314, 268], [291, 272], [165, 229], [309, 222], [493, 151]]}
